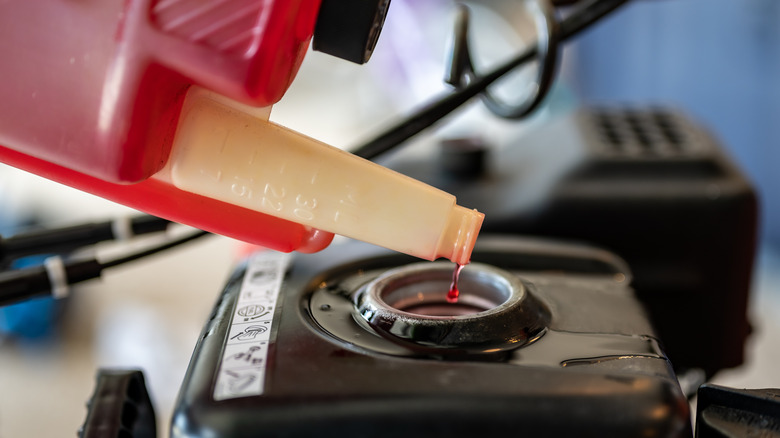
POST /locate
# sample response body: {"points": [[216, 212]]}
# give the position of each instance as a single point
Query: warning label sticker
{"points": [[243, 365]]}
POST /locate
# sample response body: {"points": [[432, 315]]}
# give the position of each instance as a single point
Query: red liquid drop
{"points": [[452, 295]]}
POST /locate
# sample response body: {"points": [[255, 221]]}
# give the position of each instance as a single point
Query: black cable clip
{"points": [[119, 407], [461, 67]]}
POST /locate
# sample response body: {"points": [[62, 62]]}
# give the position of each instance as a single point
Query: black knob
{"points": [[463, 158], [349, 29]]}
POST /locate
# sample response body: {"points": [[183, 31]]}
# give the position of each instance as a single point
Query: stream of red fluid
{"points": [[452, 295]]}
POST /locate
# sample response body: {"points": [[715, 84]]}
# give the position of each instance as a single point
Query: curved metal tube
{"points": [[461, 68]]}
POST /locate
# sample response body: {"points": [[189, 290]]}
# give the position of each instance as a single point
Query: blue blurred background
{"points": [[718, 60]]}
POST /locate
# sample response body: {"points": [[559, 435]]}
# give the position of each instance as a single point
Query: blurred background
{"points": [[717, 60]]}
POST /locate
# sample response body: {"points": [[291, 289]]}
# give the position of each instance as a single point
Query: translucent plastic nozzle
{"points": [[222, 151]]}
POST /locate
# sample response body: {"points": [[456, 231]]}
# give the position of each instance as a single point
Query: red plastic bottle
{"points": [[92, 91]]}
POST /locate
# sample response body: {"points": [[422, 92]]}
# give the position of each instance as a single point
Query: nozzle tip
{"points": [[459, 236]]}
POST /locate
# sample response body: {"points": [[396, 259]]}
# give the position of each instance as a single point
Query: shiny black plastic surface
{"points": [[597, 370]]}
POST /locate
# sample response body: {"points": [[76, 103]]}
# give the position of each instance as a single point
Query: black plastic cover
{"points": [[319, 385]]}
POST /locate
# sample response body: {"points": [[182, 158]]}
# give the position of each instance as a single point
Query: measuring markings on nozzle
{"points": [[243, 364]]}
